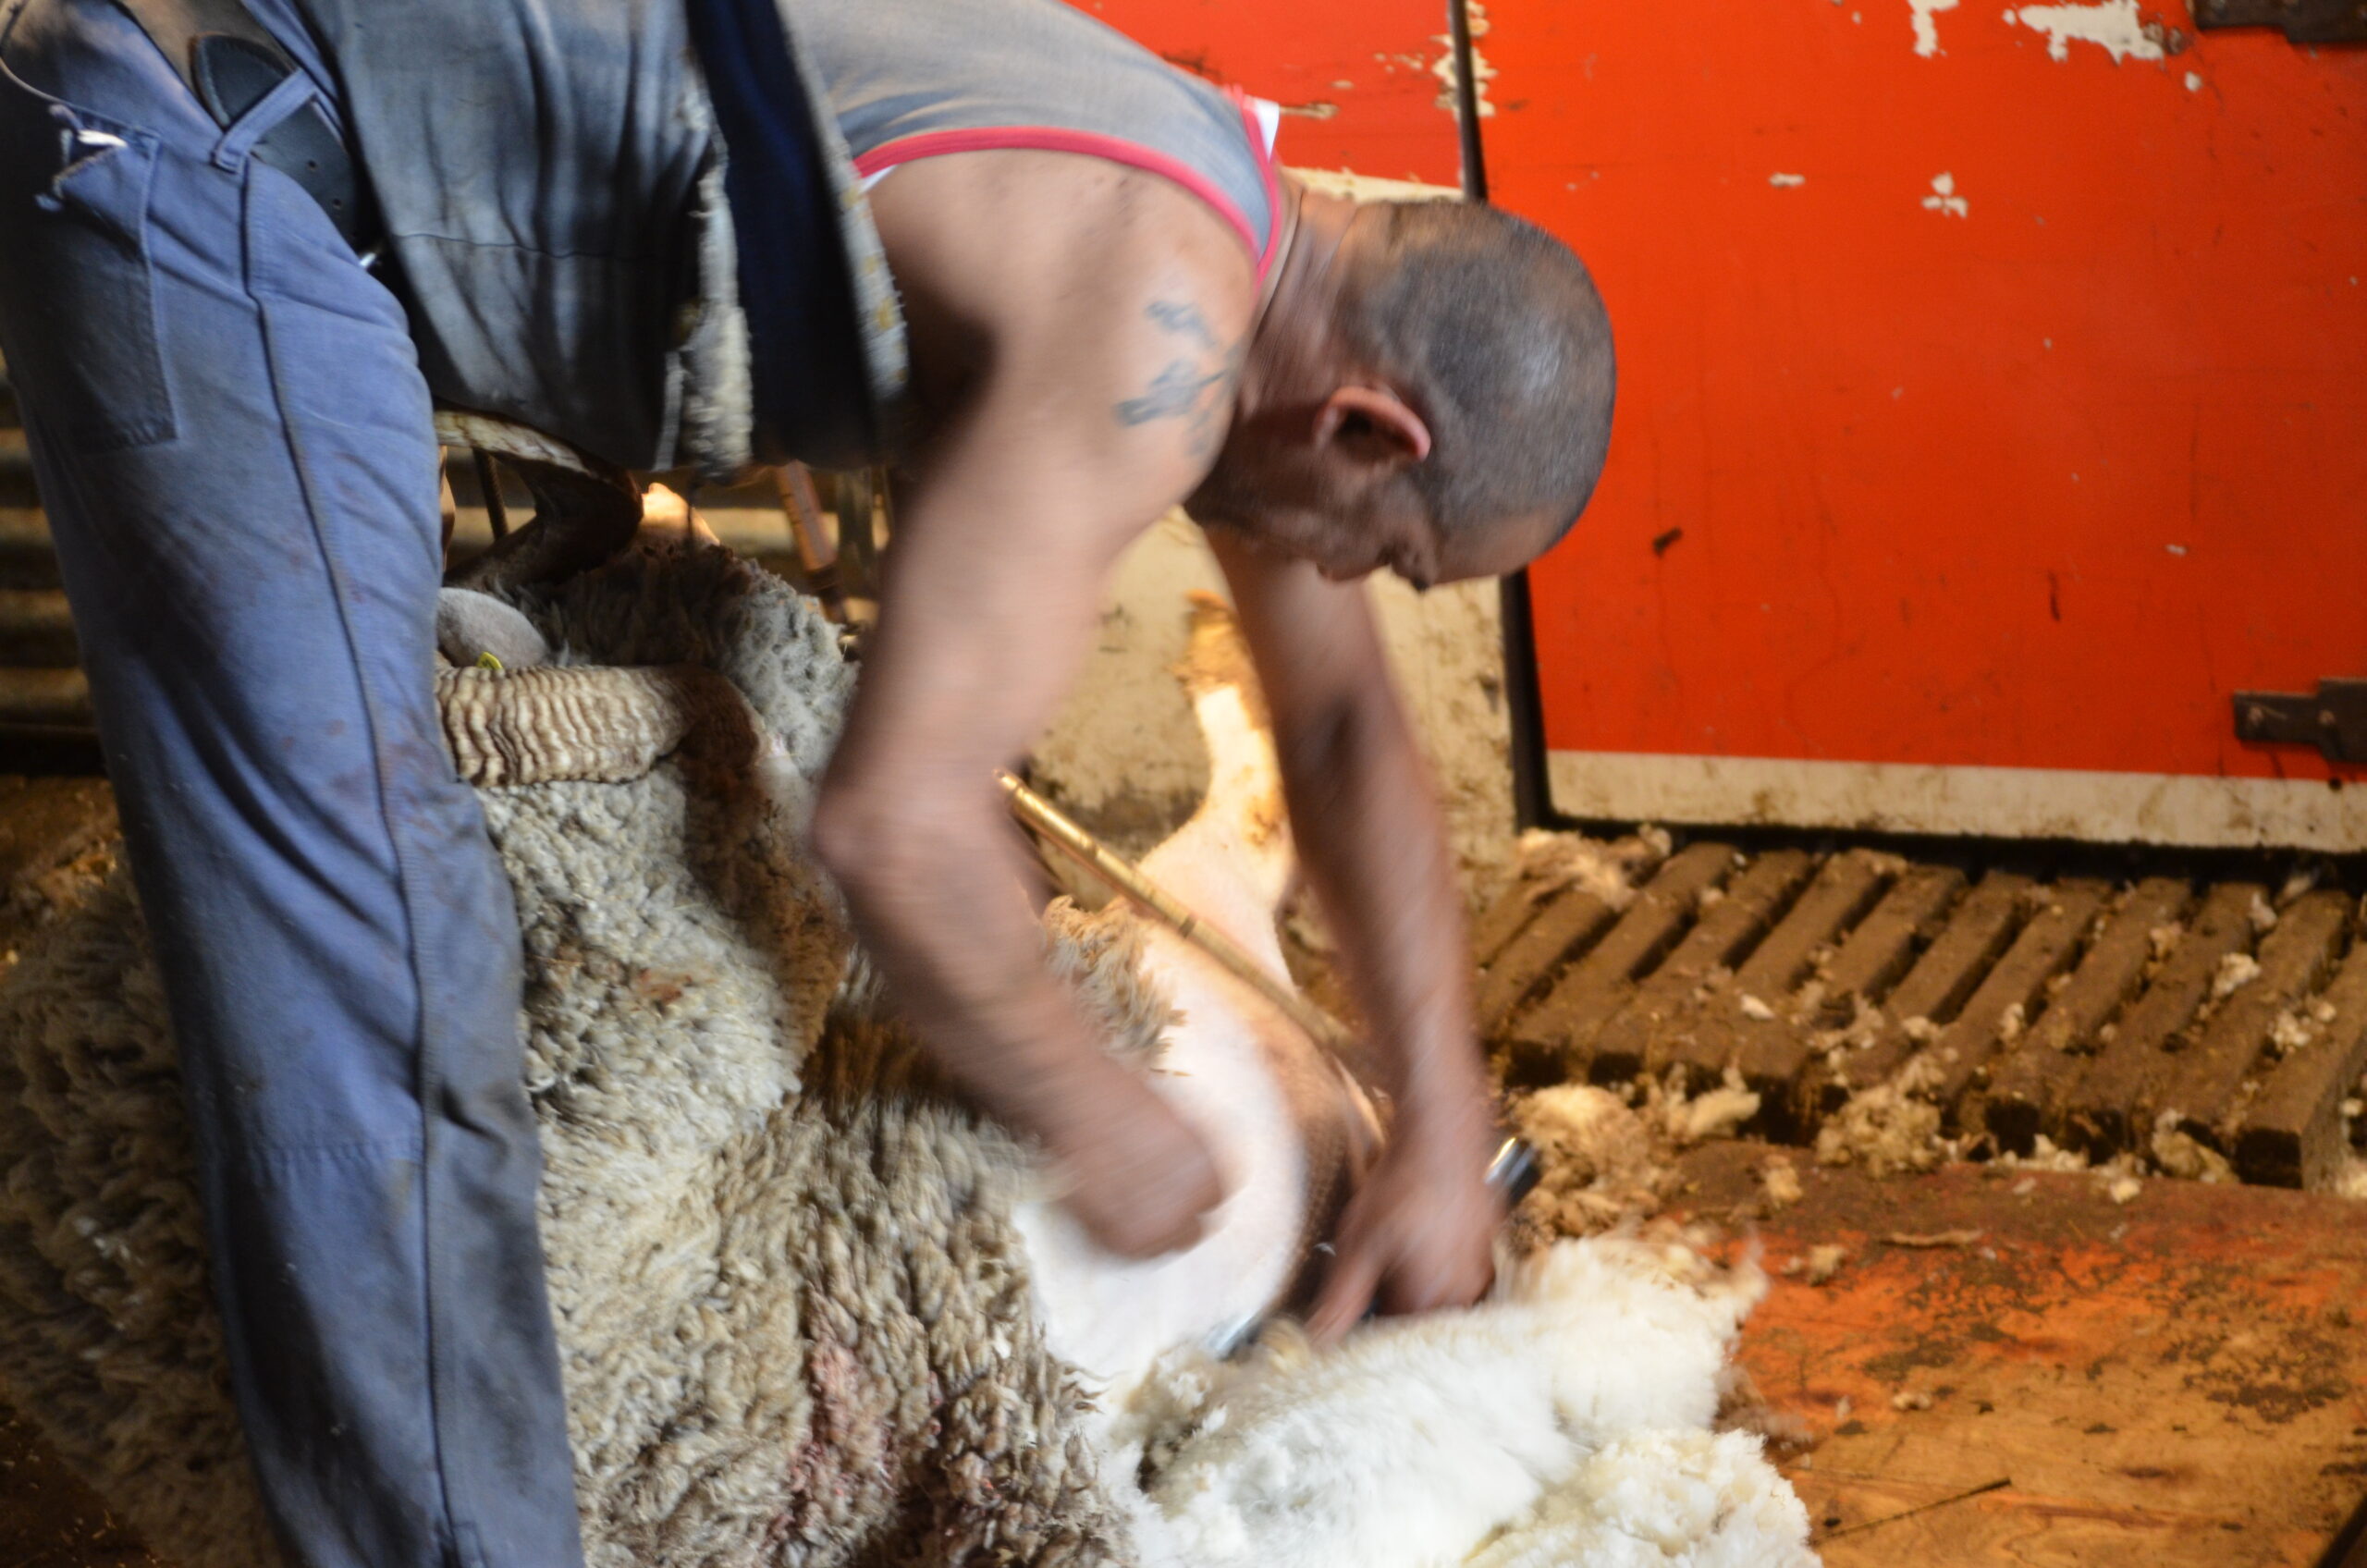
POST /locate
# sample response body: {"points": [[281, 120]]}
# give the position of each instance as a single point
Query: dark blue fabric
{"points": [[234, 440], [812, 390]]}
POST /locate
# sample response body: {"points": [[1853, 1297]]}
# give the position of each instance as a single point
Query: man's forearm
{"points": [[935, 892], [935, 899], [1369, 832]]}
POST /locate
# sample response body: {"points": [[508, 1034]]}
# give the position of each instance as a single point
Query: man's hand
{"points": [[1418, 1236], [1133, 1173]]}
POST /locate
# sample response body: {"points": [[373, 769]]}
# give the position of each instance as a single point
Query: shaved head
{"points": [[1492, 329]]}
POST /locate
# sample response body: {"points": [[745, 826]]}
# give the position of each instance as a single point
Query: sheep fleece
{"points": [[792, 1306]]}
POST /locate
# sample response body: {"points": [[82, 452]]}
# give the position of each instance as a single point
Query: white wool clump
{"points": [[1607, 871], [1572, 1110], [1585, 1134], [1865, 1025], [1596, 1164], [2178, 1153], [1714, 1112], [1664, 1500], [2290, 1032], [2236, 972], [1418, 1438], [1824, 1262], [2044, 1154], [1885, 1128]]}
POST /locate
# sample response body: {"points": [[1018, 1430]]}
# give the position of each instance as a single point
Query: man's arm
{"points": [[1075, 432], [1419, 1234]]}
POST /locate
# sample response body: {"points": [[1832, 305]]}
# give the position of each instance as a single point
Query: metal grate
{"points": [[2079, 1008], [40, 690]]}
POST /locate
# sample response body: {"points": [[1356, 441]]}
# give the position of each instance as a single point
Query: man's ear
{"points": [[1373, 425]]}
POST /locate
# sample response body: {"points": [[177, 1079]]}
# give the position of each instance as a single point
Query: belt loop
{"points": [[294, 92]]}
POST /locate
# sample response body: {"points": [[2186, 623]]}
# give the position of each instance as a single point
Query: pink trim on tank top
{"points": [[1117, 149], [1265, 157]]}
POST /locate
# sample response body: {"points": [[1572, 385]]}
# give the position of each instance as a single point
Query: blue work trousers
{"points": [[234, 443]]}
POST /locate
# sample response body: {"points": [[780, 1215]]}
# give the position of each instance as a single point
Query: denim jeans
{"points": [[234, 444]]}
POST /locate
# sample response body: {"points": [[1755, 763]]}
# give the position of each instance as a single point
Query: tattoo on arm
{"points": [[1174, 391], [1191, 388], [1183, 317]]}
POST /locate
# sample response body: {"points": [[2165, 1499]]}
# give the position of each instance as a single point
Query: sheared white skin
{"points": [[1110, 1317], [1418, 1438]]}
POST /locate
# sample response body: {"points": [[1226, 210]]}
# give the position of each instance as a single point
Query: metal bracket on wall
{"points": [[2334, 719], [2302, 21]]}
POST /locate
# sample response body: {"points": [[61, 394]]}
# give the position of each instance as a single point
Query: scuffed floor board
{"points": [[2177, 1380]]}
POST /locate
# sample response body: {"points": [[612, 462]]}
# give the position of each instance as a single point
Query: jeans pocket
{"points": [[76, 290]]}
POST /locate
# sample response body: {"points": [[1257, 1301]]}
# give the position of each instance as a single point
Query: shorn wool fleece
{"points": [[791, 1274]]}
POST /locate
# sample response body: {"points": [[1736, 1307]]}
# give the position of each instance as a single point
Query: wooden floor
{"points": [[2027, 998], [2176, 1381], [50, 1520]]}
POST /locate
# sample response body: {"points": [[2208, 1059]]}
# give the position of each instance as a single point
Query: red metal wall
{"points": [[2035, 482], [1987, 402], [1358, 82]]}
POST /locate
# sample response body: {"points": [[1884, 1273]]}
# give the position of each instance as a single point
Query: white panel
{"points": [[2015, 803]]}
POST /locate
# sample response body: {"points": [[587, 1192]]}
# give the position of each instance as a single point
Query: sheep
{"points": [[788, 1268], [813, 1309], [752, 1182], [1565, 1421], [586, 511]]}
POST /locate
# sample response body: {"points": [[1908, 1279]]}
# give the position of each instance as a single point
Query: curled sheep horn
{"points": [[557, 722], [585, 511], [489, 432]]}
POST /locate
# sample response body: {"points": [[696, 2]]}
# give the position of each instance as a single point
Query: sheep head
{"points": [[586, 511]]}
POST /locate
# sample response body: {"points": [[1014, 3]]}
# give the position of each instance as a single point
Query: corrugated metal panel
{"points": [[42, 695], [46, 701]]}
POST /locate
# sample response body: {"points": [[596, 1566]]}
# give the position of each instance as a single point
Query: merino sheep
{"points": [[791, 1298], [813, 1310]]}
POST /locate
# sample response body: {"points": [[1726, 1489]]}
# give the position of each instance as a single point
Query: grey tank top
{"points": [[917, 79], [538, 165], [552, 184]]}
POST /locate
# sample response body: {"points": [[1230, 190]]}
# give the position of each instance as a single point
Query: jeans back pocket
{"points": [[76, 294]]}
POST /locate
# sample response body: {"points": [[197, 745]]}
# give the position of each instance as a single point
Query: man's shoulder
{"points": [[1026, 235]]}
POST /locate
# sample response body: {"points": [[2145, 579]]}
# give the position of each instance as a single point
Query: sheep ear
{"points": [[470, 625]]}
